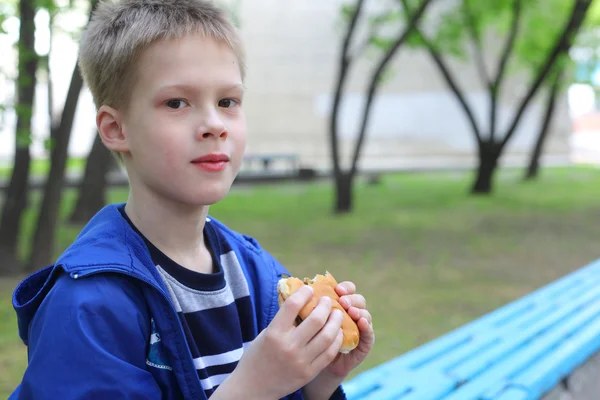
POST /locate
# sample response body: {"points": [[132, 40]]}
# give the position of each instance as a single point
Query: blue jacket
{"points": [[88, 319]]}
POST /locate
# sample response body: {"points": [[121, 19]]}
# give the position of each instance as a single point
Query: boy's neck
{"points": [[176, 231]]}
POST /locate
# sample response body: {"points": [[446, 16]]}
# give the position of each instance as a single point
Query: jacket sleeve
{"points": [[338, 394], [88, 341]]}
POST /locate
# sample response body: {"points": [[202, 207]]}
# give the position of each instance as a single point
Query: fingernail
{"points": [[338, 313], [342, 290], [346, 301]]}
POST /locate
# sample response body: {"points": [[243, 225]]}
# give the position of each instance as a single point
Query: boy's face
{"points": [[183, 134]]}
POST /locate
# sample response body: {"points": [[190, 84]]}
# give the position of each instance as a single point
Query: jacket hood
{"points": [[106, 243]]}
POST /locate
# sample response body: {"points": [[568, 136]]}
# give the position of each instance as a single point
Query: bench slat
{"points": [[513, 394], [473, 366], [441, 345], [571, 353], [518, 361], [529, 343]]}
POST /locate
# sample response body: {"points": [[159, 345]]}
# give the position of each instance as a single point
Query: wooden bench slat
{"points": [[424, 389], [571, 353], [441, 345], [484, 359], [513, 394], [529, 343], [517, 361], [412, 387]]}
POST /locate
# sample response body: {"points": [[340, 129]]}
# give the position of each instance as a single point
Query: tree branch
{"points": [[376, 77], [506, 52], [510, 43], [562, 46], [450, 81], [534, 162], [476, 42], [363, 46], [344, 63]]}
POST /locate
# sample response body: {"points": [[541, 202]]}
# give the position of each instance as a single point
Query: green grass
{"points": [[427, 257], [41, 167]]}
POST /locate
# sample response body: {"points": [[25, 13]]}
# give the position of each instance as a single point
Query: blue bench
{"points": [[518, 352]]}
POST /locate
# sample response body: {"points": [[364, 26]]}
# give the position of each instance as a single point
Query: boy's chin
{"points": [[210, 196]]}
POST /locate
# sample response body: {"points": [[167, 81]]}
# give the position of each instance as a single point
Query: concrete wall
{"points": [[293, 49], [292, 58]]}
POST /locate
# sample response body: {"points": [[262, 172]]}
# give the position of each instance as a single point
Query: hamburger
{"points": [[323, 285]]}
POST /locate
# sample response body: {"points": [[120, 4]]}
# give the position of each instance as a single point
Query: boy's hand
{"points": [[356, 306], [334, 374], [284, 358]]}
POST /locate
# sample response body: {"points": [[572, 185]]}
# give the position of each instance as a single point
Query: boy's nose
{"points": [[213, 127]]}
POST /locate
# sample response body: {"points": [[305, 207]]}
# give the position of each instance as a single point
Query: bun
{"points": [[323, 285]]}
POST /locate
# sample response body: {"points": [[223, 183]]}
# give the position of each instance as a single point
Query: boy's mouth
{"points": [[213, 162]]}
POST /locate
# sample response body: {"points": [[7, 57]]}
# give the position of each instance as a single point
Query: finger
{"points": [[331, 352], [355, 300], [286, 316], [345, 287], [367, 336], [315, 321], [358, 313], [326, 336]]}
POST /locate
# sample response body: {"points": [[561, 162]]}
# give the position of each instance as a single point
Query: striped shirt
{"points": [[215, 309]]}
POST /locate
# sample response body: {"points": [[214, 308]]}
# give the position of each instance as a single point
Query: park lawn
{"points": [[427, 257], [41, 167]]}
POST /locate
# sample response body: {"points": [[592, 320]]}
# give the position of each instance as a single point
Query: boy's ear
{"points": [[110, 128]]}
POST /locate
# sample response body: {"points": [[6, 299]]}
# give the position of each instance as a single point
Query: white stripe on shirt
{"points": [[220, 359], [213, 381]]}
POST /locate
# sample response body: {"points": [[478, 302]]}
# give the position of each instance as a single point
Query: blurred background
{"points": [[441, 154]]}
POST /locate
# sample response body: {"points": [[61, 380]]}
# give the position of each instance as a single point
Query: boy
{"points": [[154, 300]]}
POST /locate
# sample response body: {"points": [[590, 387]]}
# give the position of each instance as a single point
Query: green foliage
{"points": [[3, 17], [23, 111], [50, 6], [232, 7], [49, 144], [347, 10], [24, 138], [381, 42], [540, 29], [387, 17]]}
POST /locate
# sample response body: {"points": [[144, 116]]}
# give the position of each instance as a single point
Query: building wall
{"points": [[292, 51]]}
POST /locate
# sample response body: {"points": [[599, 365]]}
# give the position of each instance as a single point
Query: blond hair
{"points": [[119, 30]]}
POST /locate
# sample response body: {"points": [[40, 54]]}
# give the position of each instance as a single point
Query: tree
{"points": [[43, 240], [15, 199], [470, 22], [533, 166], [585, 42], [92, 188], [343, 179]]}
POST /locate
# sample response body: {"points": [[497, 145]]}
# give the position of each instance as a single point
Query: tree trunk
{"points": [[43, 241], [92, 189], [534, 162], [345, 59], [15, 200], [343, 193], [489, 153]]}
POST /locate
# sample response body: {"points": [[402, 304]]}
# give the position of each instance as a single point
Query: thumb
{"points": [[291, 307]]}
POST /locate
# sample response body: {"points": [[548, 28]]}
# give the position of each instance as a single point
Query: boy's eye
{"points": [[176, 103], [227, 103]]}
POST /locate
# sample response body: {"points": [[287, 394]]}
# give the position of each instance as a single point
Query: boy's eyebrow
{"points": [[183, 86]]}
